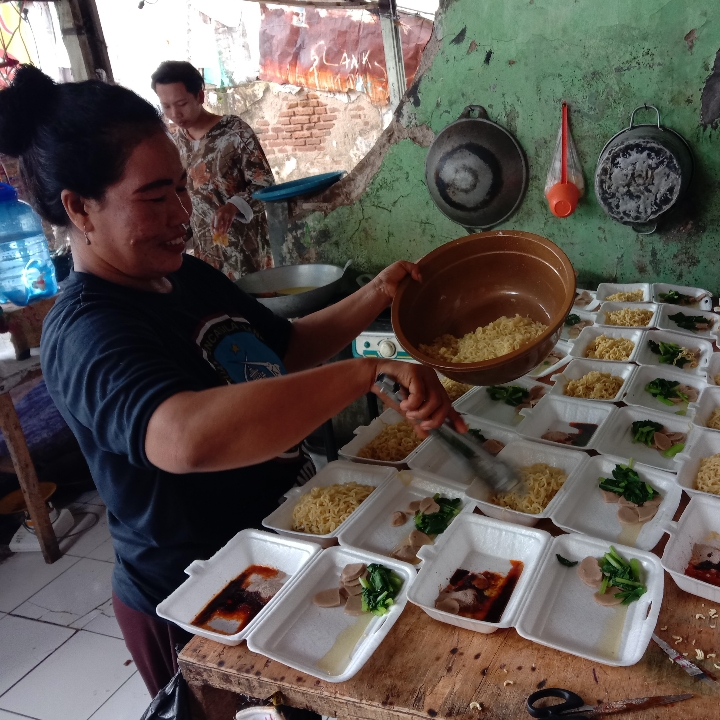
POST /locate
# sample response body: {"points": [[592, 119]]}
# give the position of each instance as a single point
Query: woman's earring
{"points": [[87, 239]]}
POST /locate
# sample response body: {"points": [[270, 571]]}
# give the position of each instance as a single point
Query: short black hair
{"points": [[178, 71], [74, 136]]}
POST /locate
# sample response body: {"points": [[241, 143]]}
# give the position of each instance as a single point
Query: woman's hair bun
{"points": [[23, 107]]}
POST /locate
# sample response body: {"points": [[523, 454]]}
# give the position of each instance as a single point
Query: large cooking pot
{"points": [[317, 284], [642, 172], [476, 171]]}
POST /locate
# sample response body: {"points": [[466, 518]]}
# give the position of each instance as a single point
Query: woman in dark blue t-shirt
{"points": [[183, 392]]}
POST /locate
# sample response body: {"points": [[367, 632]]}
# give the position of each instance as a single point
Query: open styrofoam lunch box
{"points": [[583, 509], [647, 357], [556, 413], [550, 604], [662, 288], [579, 368], [588, 334], [636, 394], [665, 323], [366, 433], [523, 453], [607, 307], [708, 402], [565, 335], [699, 523], [616, 438], [334, 473], [703, 443], [478, 405], [713, 368], [546, 366], [605, 290], [592, 305]]}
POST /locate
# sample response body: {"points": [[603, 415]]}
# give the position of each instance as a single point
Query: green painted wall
{"points": [[605, 57]]}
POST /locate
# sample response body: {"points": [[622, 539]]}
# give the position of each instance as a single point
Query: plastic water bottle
{"points": [[27, 273]]}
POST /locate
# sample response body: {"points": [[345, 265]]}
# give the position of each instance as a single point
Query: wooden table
{"points": [[426, 669]]}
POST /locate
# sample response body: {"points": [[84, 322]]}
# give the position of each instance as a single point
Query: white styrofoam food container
{"points": [[477, 544], [334, 473], [616, 437], [647, 357], [366, 433], [637, 395], [478, 404], [606, 289], [560, 611], [705, 303], [607, 307], [208, 577], [665, 323], [297, 633], [699, 520], [371, 530], [546, 367], [588, 334], [583, 315], [523, 453], [709, 401], [583, 509], [704, 443], [579, 368], [556, 413], [591, 306], [713, 368], [435, 457]]}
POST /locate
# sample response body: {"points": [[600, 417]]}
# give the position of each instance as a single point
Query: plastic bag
{"points": [[564, 184], [171, 703]]}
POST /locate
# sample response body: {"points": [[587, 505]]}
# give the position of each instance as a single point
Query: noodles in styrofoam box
{"points": [[699, 464], [633, 315], [707, 414], [578, 370], [624, 292], [608, 343]]}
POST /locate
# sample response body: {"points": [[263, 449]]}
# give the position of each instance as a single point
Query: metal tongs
{"points": [[499, 476]]}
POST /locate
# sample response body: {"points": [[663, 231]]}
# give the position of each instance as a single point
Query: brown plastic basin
{"points": [[474, 280]]}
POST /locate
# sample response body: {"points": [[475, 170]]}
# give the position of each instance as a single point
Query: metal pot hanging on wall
{"points": [[476, 171], [642, 173]]}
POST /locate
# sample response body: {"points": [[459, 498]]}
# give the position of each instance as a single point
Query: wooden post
{"points": [[397, 83], [25, 470], [84, 40]]}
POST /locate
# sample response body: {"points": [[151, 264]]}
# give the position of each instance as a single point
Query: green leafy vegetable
{"points": [[477, 434], [626, 483], [688, 322], [670, 353], [380, 587], [675, 298], [572, 319], [665, 390], [671, 452], [565, 561], [436, 523], [510, 394], [622, 574], [643, 431]]}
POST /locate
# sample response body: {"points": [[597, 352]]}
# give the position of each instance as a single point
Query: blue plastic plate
{"points": [[304, 186]]}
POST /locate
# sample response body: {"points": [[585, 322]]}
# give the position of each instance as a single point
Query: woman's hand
{"points": [[387, 281], [427, 403], [222, 219]]}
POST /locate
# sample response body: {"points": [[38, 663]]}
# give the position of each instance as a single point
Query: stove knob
{"points": [[387, 349]]}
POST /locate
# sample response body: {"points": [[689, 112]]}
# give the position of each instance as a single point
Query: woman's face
{"points": [[137, 230]]}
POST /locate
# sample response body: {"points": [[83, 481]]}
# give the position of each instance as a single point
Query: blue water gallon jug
{"points": [[27, 273]]}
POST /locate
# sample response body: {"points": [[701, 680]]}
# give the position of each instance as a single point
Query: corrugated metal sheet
{"points": [[335, 50]]}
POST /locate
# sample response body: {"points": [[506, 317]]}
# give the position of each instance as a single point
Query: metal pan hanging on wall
{"points": [[476, 171], [643, 171]]}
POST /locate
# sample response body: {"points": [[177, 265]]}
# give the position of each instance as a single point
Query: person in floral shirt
{"points": [[225, 165]]}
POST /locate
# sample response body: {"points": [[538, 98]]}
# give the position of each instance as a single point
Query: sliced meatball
{"points": [[428, 506], [608, 598], [589, 572], [557, 436], [398, 518], [353, 606], [628, 515], [661, 441], [676, 437], [404, 553], [328, 598], [537, 392], [646, 512], [610, 497], [448, 605], [417, 539], [691, 392], [352, 572], [462, 597], [493, 446]]}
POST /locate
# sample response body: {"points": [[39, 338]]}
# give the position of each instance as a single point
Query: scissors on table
{"points": [[573, 706]]}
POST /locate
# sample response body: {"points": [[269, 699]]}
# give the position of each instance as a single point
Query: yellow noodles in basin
{"points": [[716, 379], [321, 510], [714, 421], [608, 348], [629, 317], [595, 385], [454, 389], [393, 444], [630, 296], [500, 337], [708, 477], [542, 481]]}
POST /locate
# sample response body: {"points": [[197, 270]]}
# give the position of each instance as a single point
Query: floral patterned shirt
{"points": [[227, 161]]}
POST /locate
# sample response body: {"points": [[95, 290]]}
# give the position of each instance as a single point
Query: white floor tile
{"points": [[104, 552], [5, 715], [128, 703], [90, 498], [25, 644], [74, 681], [101, 620], [2, 615], [23, 574], [78, 591], [95, 518]]}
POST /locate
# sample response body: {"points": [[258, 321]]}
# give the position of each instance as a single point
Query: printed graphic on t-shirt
{"points": [[237, 354]]}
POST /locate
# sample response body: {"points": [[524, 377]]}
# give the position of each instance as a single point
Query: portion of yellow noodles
{"points": [[714, 421], [708, 477], [629, 317], [500, 337], [542, 482], [393, 444], [608, 348], [454, 389], [629, 296], [321, 510], [595, 385]]}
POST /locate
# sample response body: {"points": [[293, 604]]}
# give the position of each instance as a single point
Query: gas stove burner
{"points": [[379, 340]]}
